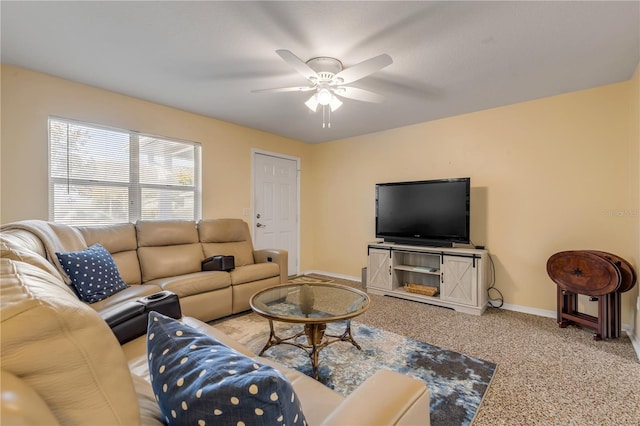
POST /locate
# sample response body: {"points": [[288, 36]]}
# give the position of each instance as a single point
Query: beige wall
{"points": [[546, 175], [29, 98], [634, 187]]}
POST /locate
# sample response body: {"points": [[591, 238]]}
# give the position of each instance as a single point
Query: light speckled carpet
{"points": [[457, 383], [547, 376]]}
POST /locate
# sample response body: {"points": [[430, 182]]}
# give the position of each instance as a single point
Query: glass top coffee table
{"points": [[314, 305]]}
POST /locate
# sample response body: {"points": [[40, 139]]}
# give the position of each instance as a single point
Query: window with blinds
{"points": [[100, 175]]}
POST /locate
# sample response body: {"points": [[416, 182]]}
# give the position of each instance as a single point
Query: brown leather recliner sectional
{"points": [[152, 256]]}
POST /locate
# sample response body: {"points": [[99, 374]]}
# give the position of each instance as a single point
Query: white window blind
{"points": [[100, 175]]}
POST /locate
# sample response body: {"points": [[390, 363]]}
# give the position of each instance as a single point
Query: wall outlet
{"points": [[246, 211]]}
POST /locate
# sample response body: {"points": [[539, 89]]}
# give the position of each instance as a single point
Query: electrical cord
{"points": [[494, 302], [498, 301]]}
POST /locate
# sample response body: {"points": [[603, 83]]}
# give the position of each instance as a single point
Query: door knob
{"points": [[259, 225]]}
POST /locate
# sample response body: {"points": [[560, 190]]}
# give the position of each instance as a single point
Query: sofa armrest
{"points": [[119, 314], [386, 398], [128, 320], [279, 256]]}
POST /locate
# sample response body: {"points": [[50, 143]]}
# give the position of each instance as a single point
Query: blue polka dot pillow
{"points": [[93, 273], [199, 381]]}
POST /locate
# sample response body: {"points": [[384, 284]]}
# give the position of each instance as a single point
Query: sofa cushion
{"points": [[62, 349], [230, 237], [255, 272], [223, 230], [241, 251], [128, 294], [150, 413], [194, 283], [21, 404], [166, 232], [93, 273], [169, 261], [55, 237], [129, 266], [24, 240], [198, 380], [11, 247], [121, 242], [115, 238]]}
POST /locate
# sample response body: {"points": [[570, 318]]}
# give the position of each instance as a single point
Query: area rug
{"points": [[307, 279], [457, 383]]}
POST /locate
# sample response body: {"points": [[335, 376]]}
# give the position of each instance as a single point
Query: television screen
{"points": [[433, 212]]}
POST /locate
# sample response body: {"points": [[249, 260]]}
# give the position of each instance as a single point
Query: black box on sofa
{"points": [[218, 263]]}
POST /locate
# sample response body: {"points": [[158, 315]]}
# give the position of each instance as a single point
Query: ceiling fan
{"points": [[329, 80]]}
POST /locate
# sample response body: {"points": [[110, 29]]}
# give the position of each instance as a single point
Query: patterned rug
{"points": [[457, 382]]}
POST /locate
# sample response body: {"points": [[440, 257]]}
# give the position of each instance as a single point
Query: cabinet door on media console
{"points": [[460, 279], [379, 269]]}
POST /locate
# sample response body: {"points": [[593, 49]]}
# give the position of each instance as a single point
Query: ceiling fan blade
{"points": [[364, 68], [358, 94], [285, 89], [298, 64]]}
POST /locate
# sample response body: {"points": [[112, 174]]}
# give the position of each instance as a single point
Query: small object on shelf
{"points": [[425, 268], [421, 289]]}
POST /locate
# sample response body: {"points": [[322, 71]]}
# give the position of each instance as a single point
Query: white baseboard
{"points": [[634, 339], [508, 306], [528, 310]]}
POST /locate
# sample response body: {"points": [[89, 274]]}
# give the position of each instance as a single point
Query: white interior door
{"points": [[275, 212]]}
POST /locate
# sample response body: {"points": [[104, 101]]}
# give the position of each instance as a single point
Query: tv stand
{"points": [[457, 275]]}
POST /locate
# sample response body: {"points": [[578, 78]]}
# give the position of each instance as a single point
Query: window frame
{"points": [[134, 186]]}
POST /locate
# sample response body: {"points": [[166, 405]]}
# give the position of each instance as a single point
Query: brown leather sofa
{"points": [[62, 365], [152, 256]]}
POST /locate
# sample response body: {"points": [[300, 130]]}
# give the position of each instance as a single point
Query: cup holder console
{"points": [[166, 302], [129, 319], [158, 296]]}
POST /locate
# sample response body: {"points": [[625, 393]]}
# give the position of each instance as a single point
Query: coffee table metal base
{"points": [[315, 335]]}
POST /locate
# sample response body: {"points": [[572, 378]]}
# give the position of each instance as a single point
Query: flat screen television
{"points": [[428, 212]]}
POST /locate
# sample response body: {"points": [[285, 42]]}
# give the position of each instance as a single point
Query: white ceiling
{"points": [[449, 58]]}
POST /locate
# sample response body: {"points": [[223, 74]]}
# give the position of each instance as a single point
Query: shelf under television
{"points": [[418, 269]]}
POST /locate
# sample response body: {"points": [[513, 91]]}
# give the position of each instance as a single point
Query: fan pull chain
{"points": [[326, 113], [324, 121]]}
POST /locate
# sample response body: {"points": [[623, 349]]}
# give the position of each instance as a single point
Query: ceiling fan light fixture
{"points": [[312, 103], [335, 103], [324, 96], [327, 79]]}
